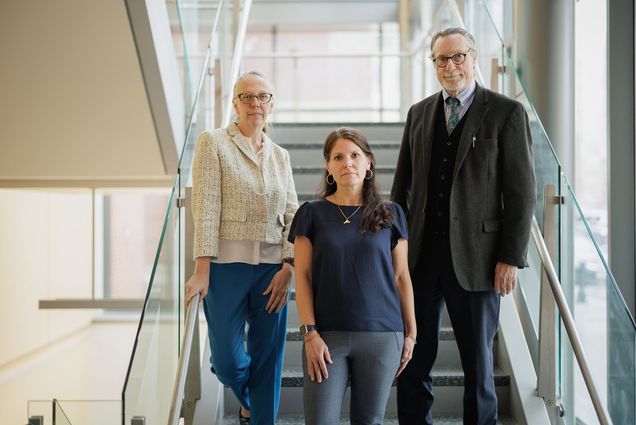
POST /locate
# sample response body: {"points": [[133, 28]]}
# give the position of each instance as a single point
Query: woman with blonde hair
{"points": [[243, 202]]}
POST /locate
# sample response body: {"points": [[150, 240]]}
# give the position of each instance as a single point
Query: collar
{"points": [[245, 144], [463, 95]]}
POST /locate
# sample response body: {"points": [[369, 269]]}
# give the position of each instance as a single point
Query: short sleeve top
{"points": [[353, 279]]}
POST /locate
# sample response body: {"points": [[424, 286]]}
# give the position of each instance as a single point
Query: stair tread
{"points": [[442, 377], [308, 169], [375, 144], [388, 420], [445, 334], [336, 124]]}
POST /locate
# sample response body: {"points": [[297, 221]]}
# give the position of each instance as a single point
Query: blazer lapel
{"points": [[428, 133], [241, 142], [475, 116]]}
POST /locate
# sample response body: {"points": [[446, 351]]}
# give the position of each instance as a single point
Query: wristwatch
{"points": [[305, 329]]}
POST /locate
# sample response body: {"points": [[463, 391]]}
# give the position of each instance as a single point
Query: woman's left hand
{"points": [[407, 353], [278, 289]]}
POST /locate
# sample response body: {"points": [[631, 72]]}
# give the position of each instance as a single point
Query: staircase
{"points": [[304, 143]]}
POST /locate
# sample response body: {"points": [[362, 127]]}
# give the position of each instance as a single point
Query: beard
{"points": [[454, 82]]}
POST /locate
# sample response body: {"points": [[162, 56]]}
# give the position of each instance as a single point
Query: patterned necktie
{"points": [[453, 117]]}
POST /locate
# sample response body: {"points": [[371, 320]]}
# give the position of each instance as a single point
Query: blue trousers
{"points": [[235, 296]]}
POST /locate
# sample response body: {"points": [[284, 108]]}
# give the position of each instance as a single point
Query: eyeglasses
{"points": [[248, 97], [457, 58]]}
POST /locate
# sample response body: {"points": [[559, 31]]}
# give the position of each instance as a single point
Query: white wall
{"points": [[45, 252], [73, 100]]}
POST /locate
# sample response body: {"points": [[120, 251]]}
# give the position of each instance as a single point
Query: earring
{"points": [[368, 175], [330, 183]]}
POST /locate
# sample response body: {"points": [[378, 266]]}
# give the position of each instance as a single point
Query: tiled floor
{"points": [[88, 365]]}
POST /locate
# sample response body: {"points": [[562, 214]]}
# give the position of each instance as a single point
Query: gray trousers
{"points": [[369, 360]]}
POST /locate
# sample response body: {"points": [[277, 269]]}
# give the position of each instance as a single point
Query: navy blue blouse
{"points": [[352, 272]]}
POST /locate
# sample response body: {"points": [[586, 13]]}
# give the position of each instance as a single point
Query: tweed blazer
{"points": [[234, 199], [493, 189]]}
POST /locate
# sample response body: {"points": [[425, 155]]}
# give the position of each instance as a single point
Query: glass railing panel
{"points": [[606, 328], [191, 23], [179, 42], [207, 100], [148, 385], [93, 412], [528, 285], [149, 382], [59, 415]]}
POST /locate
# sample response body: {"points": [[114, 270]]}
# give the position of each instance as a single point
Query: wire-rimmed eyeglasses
{"points": [[248, 97], [457, 58]]}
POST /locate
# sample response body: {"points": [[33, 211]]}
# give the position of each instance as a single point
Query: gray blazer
{"points": [[493, 190]]}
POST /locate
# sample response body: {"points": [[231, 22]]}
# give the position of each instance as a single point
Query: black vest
{"points": [[440, 174]]}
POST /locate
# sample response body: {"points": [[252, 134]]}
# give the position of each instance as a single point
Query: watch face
{"points": [[305, 329]]}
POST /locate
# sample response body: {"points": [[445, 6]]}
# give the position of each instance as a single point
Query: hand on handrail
{"points": [[197, 284]]}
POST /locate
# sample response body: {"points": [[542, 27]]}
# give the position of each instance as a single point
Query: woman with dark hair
{"points": [[353, 289]]}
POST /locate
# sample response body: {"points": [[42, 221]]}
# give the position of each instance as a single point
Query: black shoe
{"points": [[243, 420]]}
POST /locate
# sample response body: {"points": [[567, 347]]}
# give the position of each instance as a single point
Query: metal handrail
{"points": [[184, 360], [237, 57], [568, 322]]}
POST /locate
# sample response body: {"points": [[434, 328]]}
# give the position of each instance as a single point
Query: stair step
{"points": [[446, 377], [380, 169], [445, 334], [319, 145], [310, 132], [388, 420]]}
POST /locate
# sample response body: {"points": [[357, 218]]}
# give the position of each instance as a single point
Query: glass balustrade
{"points": [[59, 415], [603, 321], [148, 386], [606, 328]]}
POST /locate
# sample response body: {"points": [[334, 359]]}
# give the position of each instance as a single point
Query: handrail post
{"points": [[192, 318], [547, 374], [570, 326], [218, 94], [193, 378]]}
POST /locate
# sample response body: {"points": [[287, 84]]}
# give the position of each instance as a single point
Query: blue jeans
{"points": [[235, 296]]}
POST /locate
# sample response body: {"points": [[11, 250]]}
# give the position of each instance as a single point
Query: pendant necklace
{"points": [[346, 219]]}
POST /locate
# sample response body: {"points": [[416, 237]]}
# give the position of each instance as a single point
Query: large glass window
{"points": [[127, 229], [329, 74], [590, 185], [591, 115]]}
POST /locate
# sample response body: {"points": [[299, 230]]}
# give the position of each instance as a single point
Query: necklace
{"points": [[346, 219]]}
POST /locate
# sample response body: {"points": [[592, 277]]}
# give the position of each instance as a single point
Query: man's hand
{"points": [[505, 278]]}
